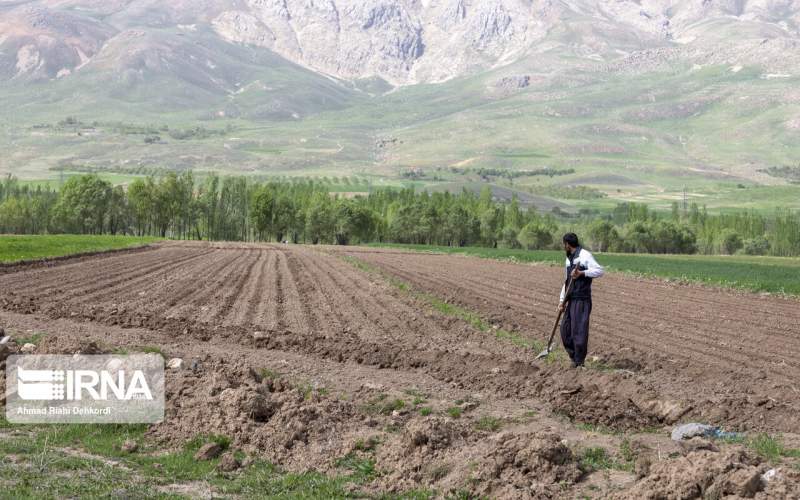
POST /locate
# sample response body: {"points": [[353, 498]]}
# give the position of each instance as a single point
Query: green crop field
{"points": [[16, 248], [758, 274]]}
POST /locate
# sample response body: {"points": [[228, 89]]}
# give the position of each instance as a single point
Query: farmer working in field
{"points": [[582, 268]]}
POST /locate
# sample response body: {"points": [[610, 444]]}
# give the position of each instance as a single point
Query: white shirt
{"points": [[584, 259]]}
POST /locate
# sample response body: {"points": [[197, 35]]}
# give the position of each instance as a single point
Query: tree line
{"points": [[239, 208]]}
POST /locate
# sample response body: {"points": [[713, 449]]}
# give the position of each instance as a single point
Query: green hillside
{"points": [[645, 136]]}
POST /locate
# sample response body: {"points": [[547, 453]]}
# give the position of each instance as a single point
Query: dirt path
{"points": [[302, 357]]}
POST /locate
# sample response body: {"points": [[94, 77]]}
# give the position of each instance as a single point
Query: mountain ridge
{"points": [[407, 41]]}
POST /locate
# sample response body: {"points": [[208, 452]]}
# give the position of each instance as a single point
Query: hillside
{"points": [[640, 100]]}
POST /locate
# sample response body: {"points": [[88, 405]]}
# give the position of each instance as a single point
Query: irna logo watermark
{"points": [[75, 385], [85, 389]]}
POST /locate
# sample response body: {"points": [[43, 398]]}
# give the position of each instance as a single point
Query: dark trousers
{"points": [[575, 329]]}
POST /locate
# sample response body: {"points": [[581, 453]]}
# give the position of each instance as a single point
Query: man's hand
{"points": [[577, 273], [561, 307]]}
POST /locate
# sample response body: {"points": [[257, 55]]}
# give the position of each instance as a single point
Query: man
{"points": [[582, 269]]}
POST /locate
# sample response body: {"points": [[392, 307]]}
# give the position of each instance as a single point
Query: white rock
{"points": [[28, 348], [769, 476], [175, 364], [260, 335]]}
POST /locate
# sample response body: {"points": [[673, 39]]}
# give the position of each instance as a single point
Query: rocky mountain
{"points": [[402, 41], [164, 55]]}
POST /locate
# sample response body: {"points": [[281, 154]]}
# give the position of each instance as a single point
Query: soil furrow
{"points": [[75, 275], [629, 318], [224, 302], [256, 292], [393, 317], [306, 311], [198, 289], [103, 287]]}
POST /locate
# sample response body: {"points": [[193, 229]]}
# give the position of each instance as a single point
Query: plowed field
{"points": [[733, 357], [343, 355]]}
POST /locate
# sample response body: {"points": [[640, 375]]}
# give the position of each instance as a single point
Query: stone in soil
{"points": [[208, 451], [228, 463], [130, 446], [175, 364]]}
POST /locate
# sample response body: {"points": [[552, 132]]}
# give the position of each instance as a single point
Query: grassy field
{"points": [[759, 274], [14, 248]]}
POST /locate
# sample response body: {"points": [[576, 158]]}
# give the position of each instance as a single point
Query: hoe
{"points": [[549, 349]]}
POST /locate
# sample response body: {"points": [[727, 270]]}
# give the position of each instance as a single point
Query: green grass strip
{"points": [[758, 274], [32, 247]]}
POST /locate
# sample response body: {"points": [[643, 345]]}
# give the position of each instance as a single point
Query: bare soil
{"points": [[300, 357], [725, 357]]}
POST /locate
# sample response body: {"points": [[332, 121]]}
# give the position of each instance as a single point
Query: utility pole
{"points": [[685, 202]]}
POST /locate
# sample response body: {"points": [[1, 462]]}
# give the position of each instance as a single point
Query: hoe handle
{"points": [[560, 313]]}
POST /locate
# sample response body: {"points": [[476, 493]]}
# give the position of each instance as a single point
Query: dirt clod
{"points": [[270, 417], [697, 444], [743, 482], [208, 451], [641, 466], [430, 434], [130, 446], [52, 344], [527, 466], [228, 463], [701, 474]]}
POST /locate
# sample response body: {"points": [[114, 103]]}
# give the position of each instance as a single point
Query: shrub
{"points": [[731, 242], [756, 246]]}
